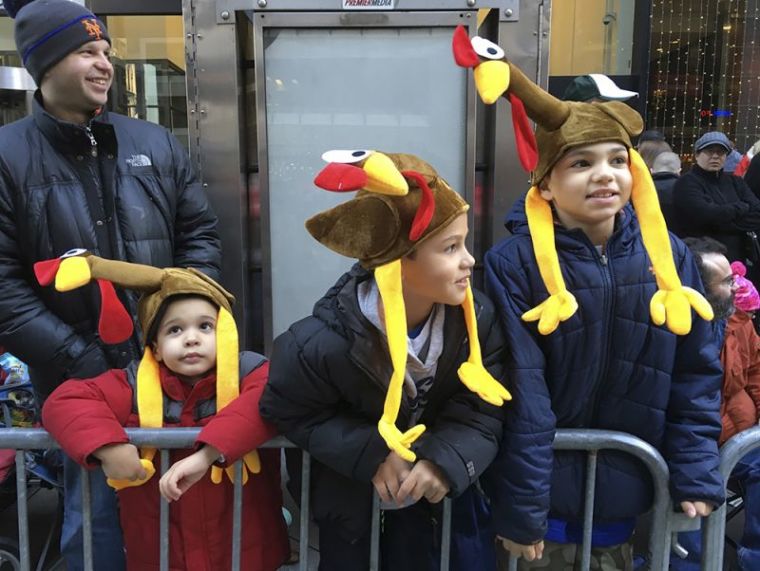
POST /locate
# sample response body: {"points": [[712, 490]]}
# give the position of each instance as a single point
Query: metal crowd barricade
{"points": [[715, 526], [167, 439], [665, 521], [163, 438]]}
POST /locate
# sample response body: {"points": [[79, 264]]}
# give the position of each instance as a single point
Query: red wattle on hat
{"points": [[425, 210], [115, 324], [527, 148]]}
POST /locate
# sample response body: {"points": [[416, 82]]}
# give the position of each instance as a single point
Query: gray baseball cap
{"points": [[712, 138]]}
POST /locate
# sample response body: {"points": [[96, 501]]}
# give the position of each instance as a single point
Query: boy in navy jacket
{"points": [[596, 300], [384, 385]]}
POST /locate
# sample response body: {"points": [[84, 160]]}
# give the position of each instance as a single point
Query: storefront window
{"points": [[149, 67], [591, 36], [599, 36], [8, 54]]}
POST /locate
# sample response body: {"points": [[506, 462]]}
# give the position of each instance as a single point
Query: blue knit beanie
{"points": [[48, 30]]}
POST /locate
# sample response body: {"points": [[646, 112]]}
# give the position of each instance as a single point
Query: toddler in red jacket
{"points": [[191, 374]]}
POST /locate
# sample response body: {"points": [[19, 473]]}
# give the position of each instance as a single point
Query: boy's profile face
{"points": [[186, 338], [440, 269], [589, 185]]}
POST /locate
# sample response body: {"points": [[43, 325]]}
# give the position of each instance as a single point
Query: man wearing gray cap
{"points": [[711, 202], [73, 175]]}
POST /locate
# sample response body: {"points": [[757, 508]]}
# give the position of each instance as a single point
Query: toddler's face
{"points": [[589, 185], [186, 338]]}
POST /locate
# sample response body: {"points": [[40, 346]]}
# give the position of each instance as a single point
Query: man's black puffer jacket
{"points": [[137, 200]]}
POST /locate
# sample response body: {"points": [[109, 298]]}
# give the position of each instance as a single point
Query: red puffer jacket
{"points": [[740, 406], [85, 415]]}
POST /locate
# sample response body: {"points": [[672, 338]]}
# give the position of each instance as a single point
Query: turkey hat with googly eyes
{"points": [[562, 125]]}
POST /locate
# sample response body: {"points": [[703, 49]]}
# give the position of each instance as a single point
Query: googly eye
{"points": [[74, 252], [487, 49], [347, 157]]}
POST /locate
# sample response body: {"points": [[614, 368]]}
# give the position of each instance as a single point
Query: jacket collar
{"points": [[664, 175], [70, 138], [368, 350], [177, 390], [623, 235], [710, 175]]}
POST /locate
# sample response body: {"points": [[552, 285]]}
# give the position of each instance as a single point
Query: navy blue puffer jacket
{"points": [[606, 367]]}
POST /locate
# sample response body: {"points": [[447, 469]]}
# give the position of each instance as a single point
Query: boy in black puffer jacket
{"points": [[394, 316], [575, 286]]}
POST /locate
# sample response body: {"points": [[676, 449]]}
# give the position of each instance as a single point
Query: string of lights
{"points": [[701, 66], [657, 95], [669, 113], [686, 46], [675, 42], [714, 78], [730, 103], [704, 70], [727, 89], [735, 92], [747, 82]]}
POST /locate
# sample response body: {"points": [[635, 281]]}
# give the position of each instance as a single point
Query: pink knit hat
{"points": [[747, 298]]}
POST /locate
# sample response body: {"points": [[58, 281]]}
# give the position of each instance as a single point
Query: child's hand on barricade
{"points": [[694, 509], [183, 474], [121, 462], [424, 481], [389, 476], [527, 552]]}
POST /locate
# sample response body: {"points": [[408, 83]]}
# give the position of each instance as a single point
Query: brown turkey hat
{"points": [[377, 228]]}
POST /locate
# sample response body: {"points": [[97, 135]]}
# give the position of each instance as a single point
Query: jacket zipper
{"points": [[93, 142], [609, 302]]}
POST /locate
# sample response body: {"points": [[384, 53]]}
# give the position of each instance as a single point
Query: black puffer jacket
{"points": [[328, 379], [719, 205], [133, 196]]}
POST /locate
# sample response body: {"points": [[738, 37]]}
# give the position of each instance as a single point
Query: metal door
{"points": [[257, 137]]}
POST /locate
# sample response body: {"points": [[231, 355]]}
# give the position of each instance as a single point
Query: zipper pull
{"points": [[93, 142], [603, 258]]}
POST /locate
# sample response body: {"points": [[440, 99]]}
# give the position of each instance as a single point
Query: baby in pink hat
{"points": [[746, 298]]}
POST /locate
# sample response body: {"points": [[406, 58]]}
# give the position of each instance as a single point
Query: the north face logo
{"points": [[93, 28], [139, 161]]}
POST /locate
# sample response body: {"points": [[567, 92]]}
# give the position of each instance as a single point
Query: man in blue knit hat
{"points": [[73, 175]]}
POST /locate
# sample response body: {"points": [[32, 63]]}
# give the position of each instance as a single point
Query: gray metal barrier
{"points": [[715, 526], [665, 522], [177, 438]]}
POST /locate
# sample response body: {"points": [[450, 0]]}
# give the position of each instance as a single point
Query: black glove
{"points": [[89, 363]]}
